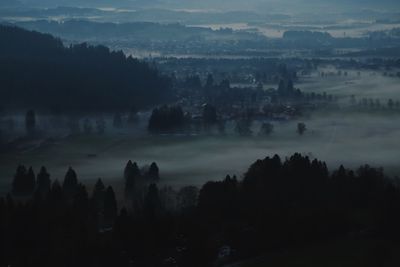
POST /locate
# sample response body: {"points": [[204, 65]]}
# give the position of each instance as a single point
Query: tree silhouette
{"points": [[30, 181], [166, 119], [56, 195], [24, 181], [210, 81], [209, 114], [279, 204], [153, 172], [301, 128], [43, 181], [131, 175], [290, 86], [281, 87], [70, 184], [390, 103]]}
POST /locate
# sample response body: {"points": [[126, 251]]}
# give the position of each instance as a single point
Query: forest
{"points": [[278, 204], [83, 77]]}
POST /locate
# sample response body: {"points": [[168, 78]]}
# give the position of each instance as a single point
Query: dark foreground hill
{"points": [[291, 212], [37, 70]]}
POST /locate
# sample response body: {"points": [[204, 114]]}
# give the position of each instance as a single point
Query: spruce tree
{"points": [[131, 174], [18, 181], [301, 128], [43, 181], [30, 181], [70, 183], [153, 172]]}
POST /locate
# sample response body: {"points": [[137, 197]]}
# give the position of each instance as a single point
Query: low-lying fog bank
{"points": [[368, 84], [351, 140]]}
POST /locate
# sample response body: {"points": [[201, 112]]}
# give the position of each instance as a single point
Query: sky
{"points": [[254, 5]]}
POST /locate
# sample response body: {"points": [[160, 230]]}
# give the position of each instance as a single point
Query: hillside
{"points": [[39, 71]]}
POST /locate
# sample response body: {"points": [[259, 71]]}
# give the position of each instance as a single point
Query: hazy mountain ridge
{"points": [[86, 30], [259, 5]]}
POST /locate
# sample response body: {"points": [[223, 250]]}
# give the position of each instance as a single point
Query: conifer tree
{"points": [[43, 181], [70, 183], [153, 172]]}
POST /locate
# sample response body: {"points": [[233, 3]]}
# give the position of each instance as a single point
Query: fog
{"points": [[351, 140], [370, 84]]}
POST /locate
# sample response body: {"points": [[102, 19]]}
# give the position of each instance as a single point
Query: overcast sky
{"points": [[255, 5]]}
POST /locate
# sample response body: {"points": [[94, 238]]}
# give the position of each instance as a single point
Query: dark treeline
{"points": [[222, 94], [207, 107], [166, 119], [277, 205], [38, 71]]}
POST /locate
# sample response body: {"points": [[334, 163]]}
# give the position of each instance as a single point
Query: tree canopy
{"points": [[48, 75]]}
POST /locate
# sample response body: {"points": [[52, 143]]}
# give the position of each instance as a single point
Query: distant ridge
{"points": [[9, 3]]}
